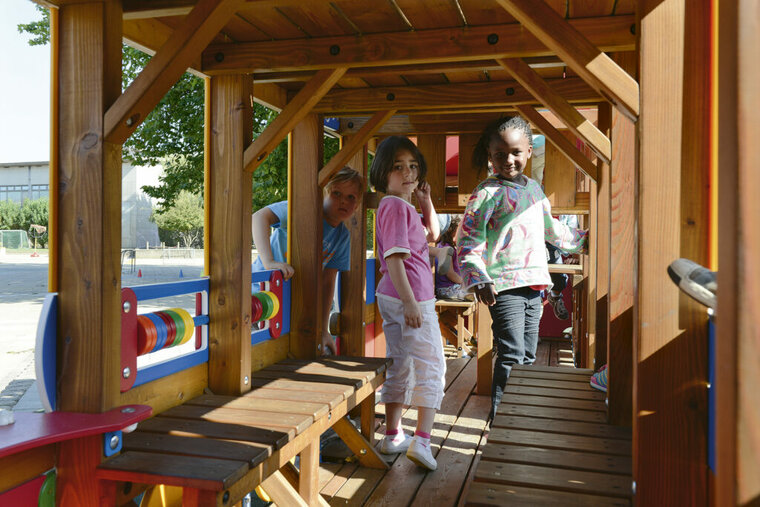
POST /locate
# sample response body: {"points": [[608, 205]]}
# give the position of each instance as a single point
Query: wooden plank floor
{"points": [[549, 443], [460, 433]]}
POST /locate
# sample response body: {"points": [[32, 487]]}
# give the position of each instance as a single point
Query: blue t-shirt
{"points": [[336, 241]]}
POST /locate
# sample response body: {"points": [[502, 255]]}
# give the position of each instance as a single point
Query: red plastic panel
{"points": [[128, 339], [275, 286], [33, 429]]}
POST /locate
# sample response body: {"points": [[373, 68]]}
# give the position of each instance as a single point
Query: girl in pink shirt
{"points": [[405, 297]]}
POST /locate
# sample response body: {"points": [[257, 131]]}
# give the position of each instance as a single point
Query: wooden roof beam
{"points": [[427, 68], [141, 9], [295, 111], [345, 154], [580, 53], [562, 143], [501, 94], [574, 120], [166, 67], [609, 33]]}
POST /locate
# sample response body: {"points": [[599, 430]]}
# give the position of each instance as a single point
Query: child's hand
{"points": [[287, 269], [328, 345], [422, 192], [412, 314], [486, 295]]}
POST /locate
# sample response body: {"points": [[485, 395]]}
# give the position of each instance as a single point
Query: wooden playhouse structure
{"points": [[647, 110]]}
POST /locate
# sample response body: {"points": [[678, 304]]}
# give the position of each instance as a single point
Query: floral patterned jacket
{"points": [[502, 235]]}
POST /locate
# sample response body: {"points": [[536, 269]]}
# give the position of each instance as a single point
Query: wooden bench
{"points": [[454, 328], [550, 444], [219, 448]]}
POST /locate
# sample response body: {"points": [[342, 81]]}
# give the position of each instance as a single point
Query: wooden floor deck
{"points": [[458, 440]]}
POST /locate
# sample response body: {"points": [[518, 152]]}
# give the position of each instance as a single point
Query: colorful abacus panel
{"points": [[264, 305], [160, 330]]}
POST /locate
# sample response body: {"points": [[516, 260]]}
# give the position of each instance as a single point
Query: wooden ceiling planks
{"points": [[430, 14]]}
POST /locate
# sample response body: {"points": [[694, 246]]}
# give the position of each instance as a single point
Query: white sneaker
{"points": [[420, 454], [391, 445]]}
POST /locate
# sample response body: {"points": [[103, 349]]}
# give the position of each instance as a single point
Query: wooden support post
{"points": [[308, 478], [433, 148], [469, 177], [305, 237], [670, 380], [485, 349], [602, 249], [353, 281], [622, 266], [570, 116], [89, 209], [591, 64], [367, 418], [737, 345], [230, 236]]}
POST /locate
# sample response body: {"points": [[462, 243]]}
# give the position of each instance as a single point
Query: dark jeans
{"points": [[515, 332], [559, 280]]}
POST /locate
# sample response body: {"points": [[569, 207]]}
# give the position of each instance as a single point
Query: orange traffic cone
{"points": [[139, 273]]}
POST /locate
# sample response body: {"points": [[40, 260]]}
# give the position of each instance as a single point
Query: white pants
{"points": [[417, 375]]}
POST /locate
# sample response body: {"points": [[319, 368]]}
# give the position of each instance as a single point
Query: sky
{"points": [[24, 88]]}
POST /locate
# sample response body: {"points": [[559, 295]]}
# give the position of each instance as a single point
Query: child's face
{"points": [[509, 153], [403, 179], [340, 202]]}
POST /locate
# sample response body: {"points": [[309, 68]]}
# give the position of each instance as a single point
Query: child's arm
{"points": [[261, 222], [329, 275], [454, 276], [397, 272], [429, 216], [472, 240], [568, 239]]}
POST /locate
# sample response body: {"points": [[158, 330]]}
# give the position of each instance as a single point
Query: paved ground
{"points": [[23, 285]]}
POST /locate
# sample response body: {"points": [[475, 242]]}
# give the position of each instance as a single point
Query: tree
{"points": [[172, 134], [184, 217]]}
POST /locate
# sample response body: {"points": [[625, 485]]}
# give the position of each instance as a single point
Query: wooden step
{"points": [[558, 479], [558, 426], [560, 441], [543, 401], [553, 393], [562, 414], [572, 460], [486, 494]]}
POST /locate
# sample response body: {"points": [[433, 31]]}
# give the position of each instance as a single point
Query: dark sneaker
{"points": [[560, 311], [697, 281]]}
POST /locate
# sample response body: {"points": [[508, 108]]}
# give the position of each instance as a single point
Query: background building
{"points": [[30, 180]]}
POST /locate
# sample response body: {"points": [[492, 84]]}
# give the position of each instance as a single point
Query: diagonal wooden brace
{"points": [[366, 453], [166, 67], [589, 62], [570, 116], [295, 111], [341, 158]]}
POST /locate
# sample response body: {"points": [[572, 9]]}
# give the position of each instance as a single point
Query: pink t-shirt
{"points": [[400, 230]]}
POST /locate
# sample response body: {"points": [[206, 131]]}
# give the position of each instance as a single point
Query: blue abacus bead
{"points": [[160, 328]]}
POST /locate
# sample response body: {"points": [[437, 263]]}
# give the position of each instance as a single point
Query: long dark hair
{"points": [[494, 129], [385, 156]]}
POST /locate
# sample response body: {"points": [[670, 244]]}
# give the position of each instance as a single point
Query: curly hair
{"points": [[494, 129]]}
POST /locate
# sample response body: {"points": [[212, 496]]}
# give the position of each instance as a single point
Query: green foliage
{"points": [[14, 216], [34, 212], [185, 217], [40, 29], [10, 215]]}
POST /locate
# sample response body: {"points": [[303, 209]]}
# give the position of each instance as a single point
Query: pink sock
{"points": [[422, 434], [391, 433]]}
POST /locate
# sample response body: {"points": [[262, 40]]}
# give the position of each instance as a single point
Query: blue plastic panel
{"points": [[369, 295]]}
